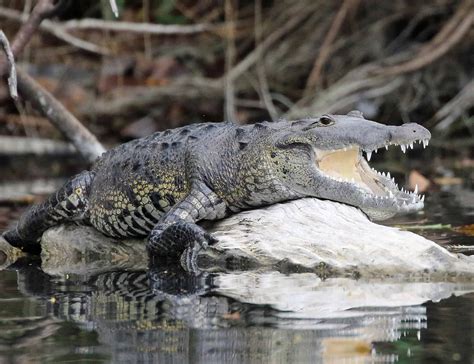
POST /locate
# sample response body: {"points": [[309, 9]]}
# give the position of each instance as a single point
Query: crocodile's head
{"points": [[324, 157]]}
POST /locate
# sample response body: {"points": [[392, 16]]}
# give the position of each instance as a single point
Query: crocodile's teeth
{"points": [[416, 189], [425, 142], [386, 147], [369, 155], [411, 145], [388, 175], [403, 148], [390, 194], [423, 198]]}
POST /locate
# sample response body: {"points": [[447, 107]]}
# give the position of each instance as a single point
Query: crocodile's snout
{"points": [[409, 131]]}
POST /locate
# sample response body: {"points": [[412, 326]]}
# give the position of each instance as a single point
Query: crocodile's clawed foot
{"points": [[201, 240], [181, 239]]}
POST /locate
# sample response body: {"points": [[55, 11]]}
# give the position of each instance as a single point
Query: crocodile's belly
{"points": [[131, 210]]}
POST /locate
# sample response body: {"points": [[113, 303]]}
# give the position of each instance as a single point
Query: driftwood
{"points": [[23, 146], [307, 235], [24, 191]]}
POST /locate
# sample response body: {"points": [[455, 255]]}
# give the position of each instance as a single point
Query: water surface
{"points": [[165, 315]]}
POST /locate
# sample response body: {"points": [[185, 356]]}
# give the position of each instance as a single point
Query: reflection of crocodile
{"points": [[161, 185], [167, 315]]}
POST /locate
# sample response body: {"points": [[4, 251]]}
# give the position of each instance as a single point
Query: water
{"points": [[165, 315]]}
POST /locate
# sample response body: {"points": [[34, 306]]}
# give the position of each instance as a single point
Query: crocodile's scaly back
{"points": [[138, 182]]}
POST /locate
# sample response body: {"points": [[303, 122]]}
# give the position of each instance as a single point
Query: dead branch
{"points": [[12, 79], [85, 142], [452, 32], [458, 105], [40, 12], [20, 146], [230, 111], [136, 27], [114, 7], [360, 81], [26, 120], [326, 47], [138, 99], [262, 77], [57, 30], [67, 124], [269, 41]]}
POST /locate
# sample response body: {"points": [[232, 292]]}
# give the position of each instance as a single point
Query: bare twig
{"points": [[325, 50], [20, 146], [24, 191], [229, 108], [452, 32], [70, 127], [262, 77], [252, 57], [452, 110], [114, 7], [12, 81], [141, 28], [55, 29], [60, 117], [359, 82], [138, 99], [41, 11]]}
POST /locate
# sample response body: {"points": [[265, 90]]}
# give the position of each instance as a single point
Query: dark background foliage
{"points": [[397, 61]]}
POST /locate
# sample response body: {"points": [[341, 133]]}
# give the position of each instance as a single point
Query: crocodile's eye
{"points": [[78, 190], [326, 120]]}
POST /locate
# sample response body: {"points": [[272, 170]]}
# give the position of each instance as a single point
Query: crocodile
{"points": [[162, 185]]}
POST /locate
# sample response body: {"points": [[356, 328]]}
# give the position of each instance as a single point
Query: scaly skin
{"points": [[160, 186]]}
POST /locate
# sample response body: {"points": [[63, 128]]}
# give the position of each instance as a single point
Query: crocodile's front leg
{"points": [[178, 235]]}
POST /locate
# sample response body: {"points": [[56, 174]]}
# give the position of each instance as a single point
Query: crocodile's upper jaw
{"points": [[347, 166]]}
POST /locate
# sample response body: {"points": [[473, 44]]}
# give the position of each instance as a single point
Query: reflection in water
{"points": [[166, 315]]}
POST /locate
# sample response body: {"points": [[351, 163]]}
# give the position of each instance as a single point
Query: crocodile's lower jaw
{"points": [[383, 197]]}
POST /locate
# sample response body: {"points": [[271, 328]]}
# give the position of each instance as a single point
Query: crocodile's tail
{"points": [[69, 203]]}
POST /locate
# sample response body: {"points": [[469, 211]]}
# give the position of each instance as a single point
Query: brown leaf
{"points": [[465, 229], [416, 178]]}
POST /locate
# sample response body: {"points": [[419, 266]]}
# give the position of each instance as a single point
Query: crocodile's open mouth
{"points": [[349, 166]]}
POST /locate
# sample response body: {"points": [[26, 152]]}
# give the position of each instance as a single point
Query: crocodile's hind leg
{"points": [[69, 203], [178, 235]]}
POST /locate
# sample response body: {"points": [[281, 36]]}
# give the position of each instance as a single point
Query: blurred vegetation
{"points": [[397, 61]]}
